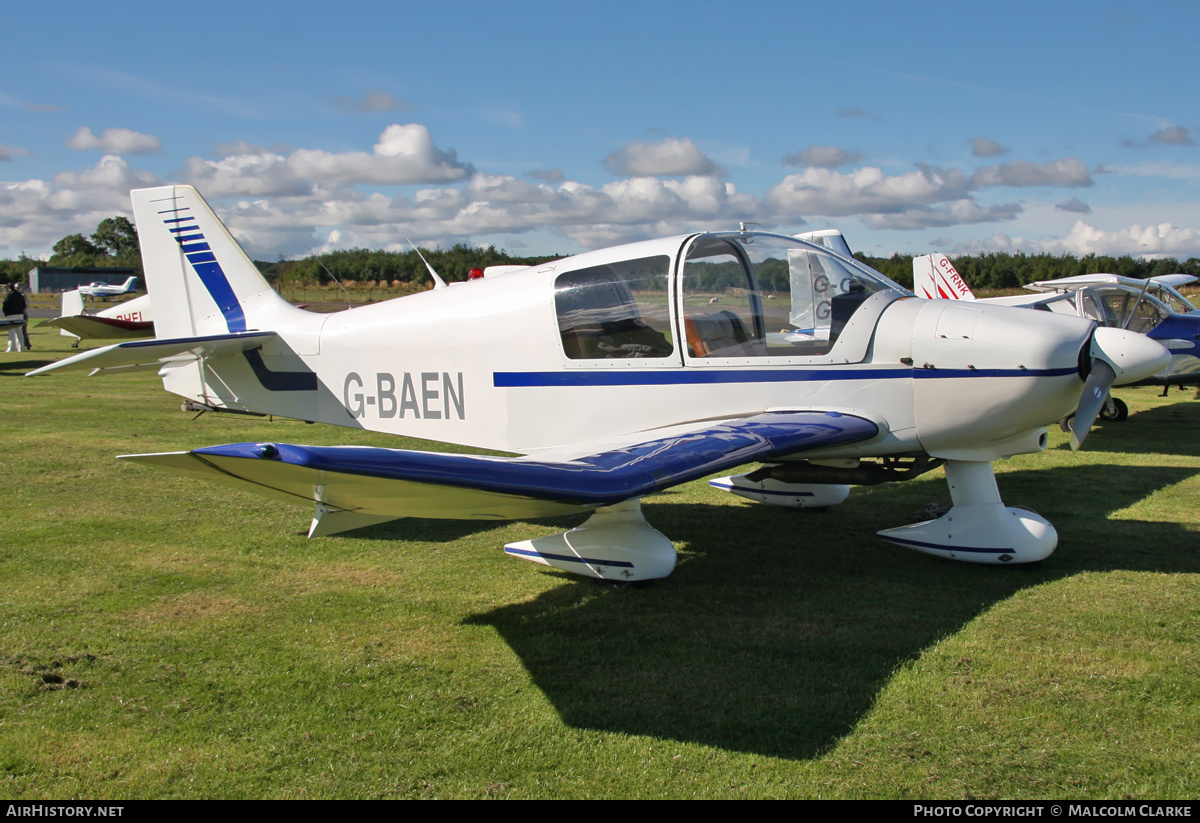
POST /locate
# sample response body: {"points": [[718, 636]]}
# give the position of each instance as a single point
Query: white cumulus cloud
{"points": [[9, 152], [246, 175], [955, 213], [673, 157], [405, 154], [111, 173], [1160, 240], [825, 157], [867, 190], [115, 141], [1173, 136], [1074, 205], [986, 147], [1066, 171]]}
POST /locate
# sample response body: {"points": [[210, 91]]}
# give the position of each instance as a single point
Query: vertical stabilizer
{"points": [[201, 280], [71, 306], [934, 277], [72, 303], [831, 239]]}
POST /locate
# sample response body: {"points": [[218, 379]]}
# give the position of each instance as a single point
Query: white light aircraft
{"points": [[129, 320], [1151, 307], [614, 374], [106, 290]]}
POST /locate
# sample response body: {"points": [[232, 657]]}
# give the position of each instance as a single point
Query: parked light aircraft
{"points": [[614, 374], [106, 290], [1151, 307], [131, 319]]}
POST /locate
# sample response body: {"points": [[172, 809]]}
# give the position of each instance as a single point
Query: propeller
{"points": [[1117, 357], [1099, 381]]}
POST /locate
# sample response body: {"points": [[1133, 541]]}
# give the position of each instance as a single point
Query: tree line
{"points": [[1001, 270], [114, 244]]}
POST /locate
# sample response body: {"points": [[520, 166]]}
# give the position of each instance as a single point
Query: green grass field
{"points": [[164, 638]]}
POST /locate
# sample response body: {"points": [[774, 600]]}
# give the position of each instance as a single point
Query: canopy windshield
{"points": [[754, 294]]}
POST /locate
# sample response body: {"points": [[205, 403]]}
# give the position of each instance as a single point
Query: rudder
{"points": [[201, 280]]}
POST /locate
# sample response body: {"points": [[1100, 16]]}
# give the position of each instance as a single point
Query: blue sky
{"points": [[551, 127]]}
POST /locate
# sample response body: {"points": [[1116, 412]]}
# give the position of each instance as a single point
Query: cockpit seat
{"points": [[720, 334]]}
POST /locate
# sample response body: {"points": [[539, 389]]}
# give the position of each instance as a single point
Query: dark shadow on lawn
{"points": [[444, 531], [17, 368], [1171, 428], [779, 628]]}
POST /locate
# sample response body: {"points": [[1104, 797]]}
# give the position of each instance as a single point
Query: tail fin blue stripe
{"points": [[205, 264]]}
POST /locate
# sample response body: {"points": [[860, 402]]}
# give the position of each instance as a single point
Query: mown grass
{"points": [[206, 648]]}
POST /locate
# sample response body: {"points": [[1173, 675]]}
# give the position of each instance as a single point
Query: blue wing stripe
{"points": [[597, 480]]}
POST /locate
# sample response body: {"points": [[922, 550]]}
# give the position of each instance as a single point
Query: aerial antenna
{"points": [[438, 282], [349, 304]]}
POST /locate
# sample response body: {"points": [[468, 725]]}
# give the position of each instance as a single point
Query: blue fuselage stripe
{"points": [[790, 374], [941, 548]]}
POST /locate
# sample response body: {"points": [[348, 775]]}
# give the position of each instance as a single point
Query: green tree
{"points": [[117, 238], [76, 250]]}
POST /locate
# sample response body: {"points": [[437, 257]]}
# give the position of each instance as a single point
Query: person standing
{"points": [[15, 305]]}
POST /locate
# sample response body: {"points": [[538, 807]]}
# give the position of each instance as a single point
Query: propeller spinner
{"points": [[1117, 357]]}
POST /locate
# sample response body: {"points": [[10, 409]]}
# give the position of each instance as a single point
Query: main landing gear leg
{"points": [[615, 543], [978, 528]]}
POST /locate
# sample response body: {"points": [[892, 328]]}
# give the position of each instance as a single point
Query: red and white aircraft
{"points": [[126, 321]]}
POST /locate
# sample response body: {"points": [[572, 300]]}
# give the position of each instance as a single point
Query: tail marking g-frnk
{"points": [[934, 277]]}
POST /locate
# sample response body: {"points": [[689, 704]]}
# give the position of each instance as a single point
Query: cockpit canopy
{"points": [[735, 295], [1116, 306]]}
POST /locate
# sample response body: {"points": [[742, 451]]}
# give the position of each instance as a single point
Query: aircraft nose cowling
{"points": [[987, 378], [1132, 356]]}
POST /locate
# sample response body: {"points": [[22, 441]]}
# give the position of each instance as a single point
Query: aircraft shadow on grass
{"points": [[1172, 428], [17, 368], [778, 630]]}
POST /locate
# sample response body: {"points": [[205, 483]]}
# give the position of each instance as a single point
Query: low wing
{"points": [[90, 327], [151, 354], [374, 484]]}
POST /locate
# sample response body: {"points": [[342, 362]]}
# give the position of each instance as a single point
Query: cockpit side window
{"points": [[722, 314], [1097, 309], [619, 310], [767, 296]]}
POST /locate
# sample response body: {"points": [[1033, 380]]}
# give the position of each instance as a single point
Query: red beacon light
{"points": [[475, 274]]}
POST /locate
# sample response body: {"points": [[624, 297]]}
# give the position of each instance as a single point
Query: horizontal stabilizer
{"points": [[398, 483], [89, 327], [152, 353]]}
